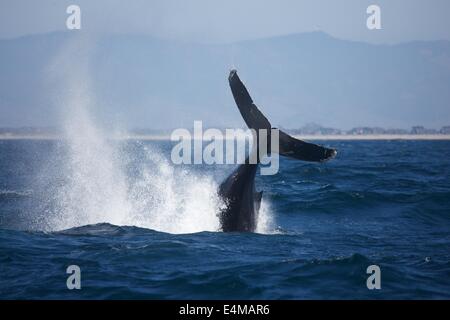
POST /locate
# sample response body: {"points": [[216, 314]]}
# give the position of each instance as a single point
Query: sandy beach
{"points": [[301, 137]]}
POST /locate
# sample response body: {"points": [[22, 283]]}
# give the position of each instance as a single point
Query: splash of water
{"points": [[171, 199], [94, 188], [94, 183], [265, 222]]}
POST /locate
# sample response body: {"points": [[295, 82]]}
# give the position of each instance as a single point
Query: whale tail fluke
{"points": [[255, 119], [301, 150]]}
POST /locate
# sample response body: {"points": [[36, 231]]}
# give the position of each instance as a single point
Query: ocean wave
{"points": [[102, 229]]}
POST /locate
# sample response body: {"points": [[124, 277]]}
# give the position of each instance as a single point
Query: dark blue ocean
{"points": [[139, 227]]}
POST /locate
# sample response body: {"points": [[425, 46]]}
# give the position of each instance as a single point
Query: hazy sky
{"points": [[231, 20], [318, 83]]}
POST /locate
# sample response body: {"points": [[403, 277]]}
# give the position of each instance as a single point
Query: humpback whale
{"points": [[237, 191]]}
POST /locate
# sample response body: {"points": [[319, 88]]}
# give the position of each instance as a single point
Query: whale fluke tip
{"points": [[329, 154], [233, 72]]}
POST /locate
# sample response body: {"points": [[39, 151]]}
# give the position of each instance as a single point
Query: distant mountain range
{"points": [[142, 81]]}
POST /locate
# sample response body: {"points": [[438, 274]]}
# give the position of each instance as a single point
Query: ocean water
{"points": [[140, 227]]}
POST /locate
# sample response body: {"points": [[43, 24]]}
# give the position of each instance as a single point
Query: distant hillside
{"points": [[296, 79]]}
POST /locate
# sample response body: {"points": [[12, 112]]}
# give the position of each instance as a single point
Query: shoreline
{"points": [[301, 137]]}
